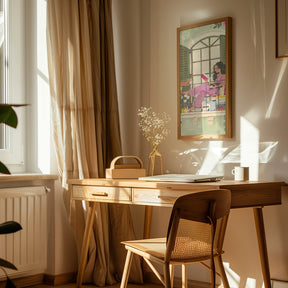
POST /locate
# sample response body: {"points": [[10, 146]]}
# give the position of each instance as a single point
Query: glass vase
{"points": [[155, 163]]}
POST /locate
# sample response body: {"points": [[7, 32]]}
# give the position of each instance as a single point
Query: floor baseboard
{"points": [[26, 281], [60, 279], [52, 280]]}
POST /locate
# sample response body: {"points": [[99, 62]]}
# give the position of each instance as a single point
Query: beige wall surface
{"points": [[146, 59]]}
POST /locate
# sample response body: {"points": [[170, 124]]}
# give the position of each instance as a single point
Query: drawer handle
{"points": [[167, 199], [105, 194]]}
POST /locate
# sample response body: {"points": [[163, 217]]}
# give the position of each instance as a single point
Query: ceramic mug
{"points": [[240, 173]]}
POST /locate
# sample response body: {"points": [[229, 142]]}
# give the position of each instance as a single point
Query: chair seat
{"points": [[156, 247]]}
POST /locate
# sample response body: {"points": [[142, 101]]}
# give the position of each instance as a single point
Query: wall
{"points": [[146, 59]]}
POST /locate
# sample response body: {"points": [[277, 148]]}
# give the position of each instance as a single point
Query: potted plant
{"points": [[7, 228], [8, 117]]}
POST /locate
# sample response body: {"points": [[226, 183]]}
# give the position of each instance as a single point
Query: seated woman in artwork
{"points": [[207, 88]]}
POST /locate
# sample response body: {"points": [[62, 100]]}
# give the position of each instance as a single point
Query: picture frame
{"points": [[281, 8], [204, 80]]}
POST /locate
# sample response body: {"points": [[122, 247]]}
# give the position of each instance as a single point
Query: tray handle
{"points": [[113, 162]]}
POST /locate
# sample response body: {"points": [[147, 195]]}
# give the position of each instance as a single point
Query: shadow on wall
{"points": [[205, 157]]}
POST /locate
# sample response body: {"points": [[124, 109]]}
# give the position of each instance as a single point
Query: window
{"points": [[2, 66], [12, 80], [24, 70]]}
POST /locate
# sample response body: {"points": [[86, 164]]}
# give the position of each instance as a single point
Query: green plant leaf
{"points": [[9, 227], [7, 264], [8, 116], [9, 283], [4, 169]]}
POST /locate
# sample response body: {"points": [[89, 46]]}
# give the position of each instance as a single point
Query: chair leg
{"points": [[126, 270], [184, 276], [212, 278], [222, 272], [166, 276], [171, 266]]}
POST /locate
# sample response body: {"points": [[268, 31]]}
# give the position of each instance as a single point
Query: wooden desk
{"points": [[243, 194]]}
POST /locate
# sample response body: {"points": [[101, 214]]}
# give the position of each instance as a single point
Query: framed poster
{"points": [[204, 80], [281, 28]]}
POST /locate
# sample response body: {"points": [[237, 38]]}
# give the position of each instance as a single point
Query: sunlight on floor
{"points": [[250, 283], [234, 278]]}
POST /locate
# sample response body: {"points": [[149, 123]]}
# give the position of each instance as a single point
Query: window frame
{"points": [[13, 153]]}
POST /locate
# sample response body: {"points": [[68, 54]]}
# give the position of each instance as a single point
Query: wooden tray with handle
{"points": [[125, 171]]}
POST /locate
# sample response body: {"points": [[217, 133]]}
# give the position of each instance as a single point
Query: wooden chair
{"points": [[195, 234]]}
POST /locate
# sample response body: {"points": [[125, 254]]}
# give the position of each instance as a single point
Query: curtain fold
{"points": [[86, 125]]}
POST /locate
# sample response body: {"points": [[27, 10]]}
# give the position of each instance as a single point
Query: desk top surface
{"points": [[135, 183], [243, 194]]}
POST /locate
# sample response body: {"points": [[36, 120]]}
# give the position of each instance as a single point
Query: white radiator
{"points": [[26, 249]]}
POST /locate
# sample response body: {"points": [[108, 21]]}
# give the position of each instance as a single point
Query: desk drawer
{"points": [[102, 194], [157, 197]]}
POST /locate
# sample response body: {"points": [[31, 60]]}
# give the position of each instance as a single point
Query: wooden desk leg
{"points": [[259, 223], [85, 244], [146, 235], [147, 222]]}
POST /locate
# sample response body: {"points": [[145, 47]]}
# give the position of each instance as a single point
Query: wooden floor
{"points": [[73, 285]]}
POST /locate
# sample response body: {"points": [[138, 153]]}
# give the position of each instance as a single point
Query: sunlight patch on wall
{"points": [[190, 153], [250, 152], [249, 155], [266, 152], [212, 158], [279, 79], [262, 19], [186, 152], [206, 157], [43, 91]]}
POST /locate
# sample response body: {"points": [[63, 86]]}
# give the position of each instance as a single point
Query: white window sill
{"points": [[27, 177]]}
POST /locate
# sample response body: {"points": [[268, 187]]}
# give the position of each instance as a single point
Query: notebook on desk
{"points": [[183, 178]]}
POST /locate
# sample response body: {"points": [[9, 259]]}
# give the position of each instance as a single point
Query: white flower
{"points": [[153, 125]]}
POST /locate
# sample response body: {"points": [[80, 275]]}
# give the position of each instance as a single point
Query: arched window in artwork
{"points": [[204, 54]]}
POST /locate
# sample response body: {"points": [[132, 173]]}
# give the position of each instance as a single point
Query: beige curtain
{"points": [[86, 124]]}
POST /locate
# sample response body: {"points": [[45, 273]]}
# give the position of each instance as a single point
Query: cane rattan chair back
{"points": [[195, 233]]}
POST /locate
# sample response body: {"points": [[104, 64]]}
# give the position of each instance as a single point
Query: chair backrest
{"points": [[198, 223]]}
